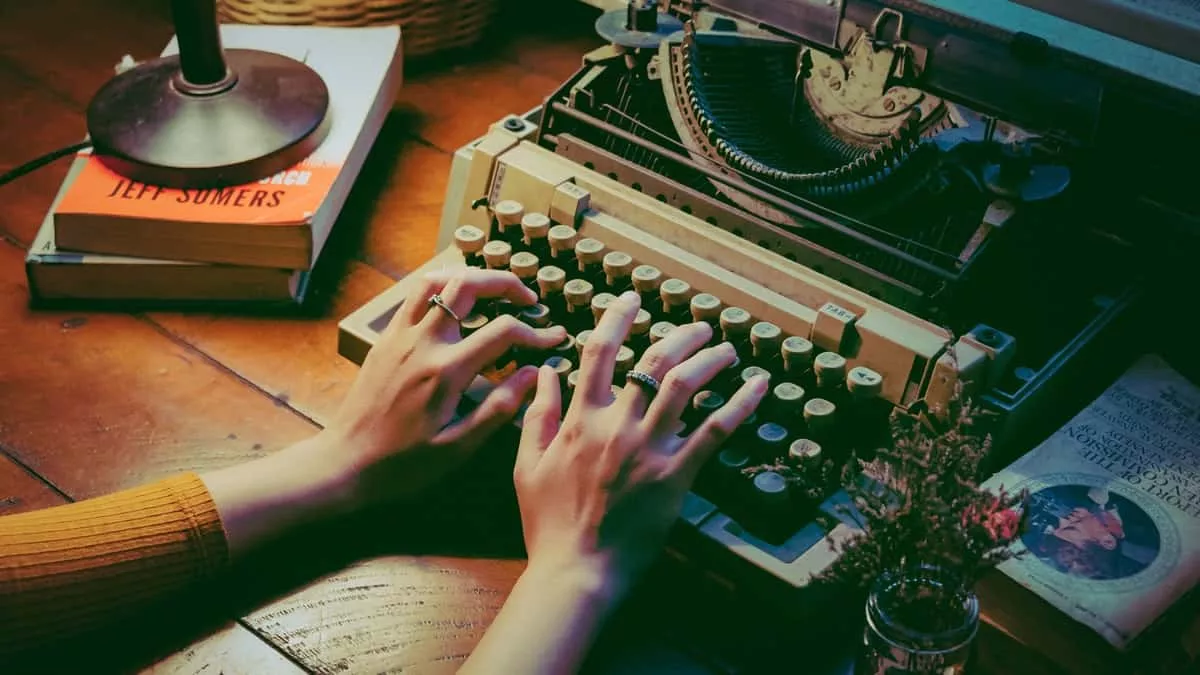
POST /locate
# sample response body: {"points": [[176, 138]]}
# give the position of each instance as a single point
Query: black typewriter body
{"points": [[982, 181]]}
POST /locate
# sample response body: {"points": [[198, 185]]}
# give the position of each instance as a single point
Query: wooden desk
{"points": [[95, 402]]}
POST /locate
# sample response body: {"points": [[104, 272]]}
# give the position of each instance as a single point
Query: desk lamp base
{"points": [[153, 125]]}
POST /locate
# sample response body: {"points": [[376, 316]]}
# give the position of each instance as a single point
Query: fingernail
{"points": [[630, 296]]}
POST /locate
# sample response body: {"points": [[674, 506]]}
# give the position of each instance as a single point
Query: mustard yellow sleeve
{"points": [[69, 569]]}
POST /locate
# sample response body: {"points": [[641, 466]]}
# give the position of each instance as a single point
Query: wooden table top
{"points": [[94, 402]]}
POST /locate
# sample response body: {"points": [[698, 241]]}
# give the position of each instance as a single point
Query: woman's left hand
{"points": [[396, 420]]}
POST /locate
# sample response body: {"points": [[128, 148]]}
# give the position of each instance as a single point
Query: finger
{"points": [[660, 358], [600, 351], [464, 289], [715, 430], [683, 382], [541, 423], [499, 407], [486, 345], [416, 302]]}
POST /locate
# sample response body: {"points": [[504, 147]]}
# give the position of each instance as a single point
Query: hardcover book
{"points": [[1110, 557], [280, 221]]}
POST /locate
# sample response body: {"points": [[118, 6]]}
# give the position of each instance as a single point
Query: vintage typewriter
{"points": [[878, 202]]}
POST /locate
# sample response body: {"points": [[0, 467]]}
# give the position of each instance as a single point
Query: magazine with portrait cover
{"points": [[1113, 513]]}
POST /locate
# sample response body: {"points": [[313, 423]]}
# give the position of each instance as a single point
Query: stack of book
{"points": [[107, 238]]}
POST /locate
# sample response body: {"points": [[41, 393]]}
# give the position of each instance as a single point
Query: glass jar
{"points": [[907, 633]]}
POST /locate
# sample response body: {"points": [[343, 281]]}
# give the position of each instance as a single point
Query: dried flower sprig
{"points": [[922, 505]]}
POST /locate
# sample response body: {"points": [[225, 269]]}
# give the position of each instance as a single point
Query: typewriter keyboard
{"points": [[786, 460]]}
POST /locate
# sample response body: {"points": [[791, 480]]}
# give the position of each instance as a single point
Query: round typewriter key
{"points": [[572, 380], [508, 220], [561, 365], [830, 369], [524, 265], [646, 279], [797, 354], [580, 341], [804, 451], [497, 253], [641, 323], [863, 382], [566, 348], [771, 439], [601, 302], [537, 315], [787, 398], [818, 414], [618, 265], [735, 322], [469, 239], [509, 212], [751, 372], [589, 251], [472, 323], [659, 330], [535, 227], [675, 291], [733, 460], [766, 340], [624, 363], [771, 488], [707, 402], [551, 279], [562, 240], [578, 293], [706, 307]]}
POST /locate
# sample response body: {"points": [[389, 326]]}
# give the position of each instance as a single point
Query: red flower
{"points": [[1003, 525]]}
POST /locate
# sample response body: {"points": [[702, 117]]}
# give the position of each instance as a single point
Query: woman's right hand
{"points": [[600, 488]]}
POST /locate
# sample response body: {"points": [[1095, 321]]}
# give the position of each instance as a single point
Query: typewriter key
{"points": [[562, 244], [537, 315], [804, 452], [508, 221], [659, 330], [580, 341], [787, 403], [470, 241], [525, 266], [751, 372], [675, 294], [818, 416], [623, 364], [601, 302], [472, 323], [830, 369], [646, 280], [766, 343], [497, 254], [706, 307], [639, 332], [706, 403], [772, 440], [566, 348], [618, 266], [590, 254], [862, 382], [535, 230], [797, 356], [735, 326], [561, 365], [578, 294]]}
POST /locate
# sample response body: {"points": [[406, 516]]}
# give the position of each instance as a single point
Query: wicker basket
{"points": [[428, 26]]}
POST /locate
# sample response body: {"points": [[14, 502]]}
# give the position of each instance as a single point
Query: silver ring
{"points": [[437, 300], [646, 382]]}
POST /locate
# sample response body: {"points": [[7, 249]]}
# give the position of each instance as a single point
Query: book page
{"points": [[1113, 535]]}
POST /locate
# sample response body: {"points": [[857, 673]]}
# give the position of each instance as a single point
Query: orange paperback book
{"points": [[279, 221]]}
